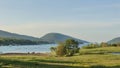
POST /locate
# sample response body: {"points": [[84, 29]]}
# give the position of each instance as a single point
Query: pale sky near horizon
{"points": [[91, 20]]}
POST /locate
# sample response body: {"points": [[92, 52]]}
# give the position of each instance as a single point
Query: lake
{"points": [[28, 48]]}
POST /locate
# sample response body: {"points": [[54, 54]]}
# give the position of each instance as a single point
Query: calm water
{"points": [[28, 48]]}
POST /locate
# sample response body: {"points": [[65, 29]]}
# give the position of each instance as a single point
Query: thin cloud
{"points": [[55, 26]]}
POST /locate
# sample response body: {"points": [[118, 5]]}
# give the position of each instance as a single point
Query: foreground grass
{"points": [[82, 61]]}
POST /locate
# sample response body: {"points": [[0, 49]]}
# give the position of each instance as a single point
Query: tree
{"points": [[71, 47], [68, 48]]}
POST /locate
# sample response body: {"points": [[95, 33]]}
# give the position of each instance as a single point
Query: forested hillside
{"points": [[14, 41]]}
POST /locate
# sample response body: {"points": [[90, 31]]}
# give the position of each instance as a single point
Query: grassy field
{"points": [[88, 58], [104, 50]]}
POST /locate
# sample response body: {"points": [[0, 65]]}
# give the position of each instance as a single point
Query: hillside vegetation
{"points": [[14, 41]]}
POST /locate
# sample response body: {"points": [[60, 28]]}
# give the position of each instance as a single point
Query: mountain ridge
{"points": [[114, 40]]}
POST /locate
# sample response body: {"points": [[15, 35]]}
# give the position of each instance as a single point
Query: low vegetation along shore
{"points": [[87, 58]]}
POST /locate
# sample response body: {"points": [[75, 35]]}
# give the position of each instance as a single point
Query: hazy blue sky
{"points": [[92, 20]]}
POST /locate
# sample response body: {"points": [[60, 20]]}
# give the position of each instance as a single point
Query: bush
{"points": [[89, 46], [103, 44], [60, 50], [116, 45]]}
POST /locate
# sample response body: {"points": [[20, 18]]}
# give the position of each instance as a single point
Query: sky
{"points": [[90, 20]]}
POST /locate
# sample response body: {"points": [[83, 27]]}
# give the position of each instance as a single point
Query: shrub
{"points": [[89, 46], [103, 44], [60, 50], [116, 45]]}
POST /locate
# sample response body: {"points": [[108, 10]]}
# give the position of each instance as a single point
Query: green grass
{"points": [[85, 60], [103, 50]]}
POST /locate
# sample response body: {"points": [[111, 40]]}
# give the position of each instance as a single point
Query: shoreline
{"points": [[34, 54]]}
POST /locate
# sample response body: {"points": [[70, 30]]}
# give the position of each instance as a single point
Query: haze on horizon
{"points": [[91, 20]]}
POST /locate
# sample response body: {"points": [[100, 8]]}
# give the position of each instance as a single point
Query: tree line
{"points": [[102, 44], [14, 41]]}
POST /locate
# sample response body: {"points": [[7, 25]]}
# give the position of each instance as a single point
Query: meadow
{"points": [[87, 58]]}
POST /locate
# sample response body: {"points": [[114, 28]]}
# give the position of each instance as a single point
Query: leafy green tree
{"points": [[71, 47], [68, 48]]}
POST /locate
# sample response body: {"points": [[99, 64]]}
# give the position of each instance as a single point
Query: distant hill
{"points": [[49, 38], [57, 37], [17, 36], [13, 41], [114, 41]]}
